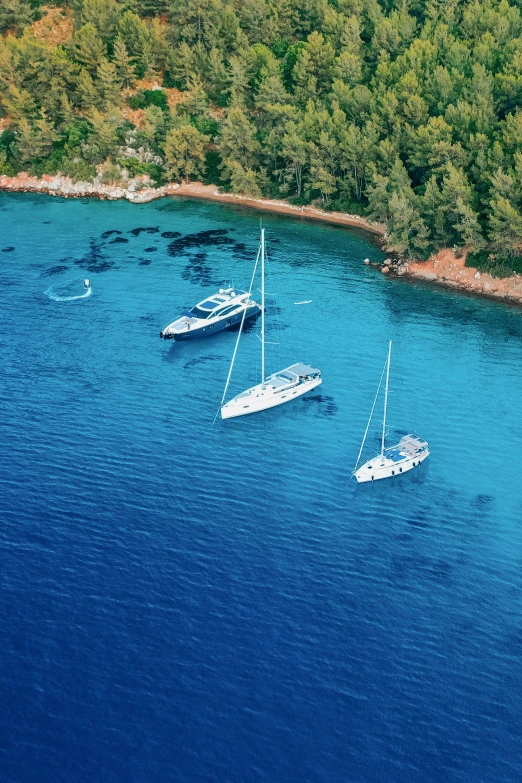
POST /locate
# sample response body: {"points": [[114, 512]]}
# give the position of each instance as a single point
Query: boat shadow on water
{"points": [[321, 404]]}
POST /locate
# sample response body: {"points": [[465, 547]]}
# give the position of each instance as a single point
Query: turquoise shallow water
{"points": [[196, 602]]}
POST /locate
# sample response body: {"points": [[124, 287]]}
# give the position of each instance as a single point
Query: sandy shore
{"points": [[210, 192], [444, 268]]}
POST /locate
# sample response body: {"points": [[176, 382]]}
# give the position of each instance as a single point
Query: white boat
{"points": [[276, 389], [391, 461], [223, 310]]}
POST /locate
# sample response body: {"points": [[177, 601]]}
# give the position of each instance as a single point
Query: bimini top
{"points": [[408, 446], [302, 370]]}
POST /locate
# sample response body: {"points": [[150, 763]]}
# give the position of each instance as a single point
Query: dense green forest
{"points": [[407, 111]]}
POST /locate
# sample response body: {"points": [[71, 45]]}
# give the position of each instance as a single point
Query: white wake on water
{"points": [[56, 297]]}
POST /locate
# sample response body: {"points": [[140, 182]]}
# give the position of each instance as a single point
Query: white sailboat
{"points": [[276, 389], [391, 461]]}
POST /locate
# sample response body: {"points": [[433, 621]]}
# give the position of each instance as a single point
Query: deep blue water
{"points": [[183, 601]]}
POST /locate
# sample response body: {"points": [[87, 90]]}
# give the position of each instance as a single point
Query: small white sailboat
{"points": [[407, 454], [276, 389]]}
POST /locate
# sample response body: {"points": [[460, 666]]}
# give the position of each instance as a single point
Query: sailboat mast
{"points": [[386, 398], [262, 305]]}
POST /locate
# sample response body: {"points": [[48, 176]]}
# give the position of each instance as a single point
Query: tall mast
{"points": [[386, 398], [263, 305], [241, 327]]}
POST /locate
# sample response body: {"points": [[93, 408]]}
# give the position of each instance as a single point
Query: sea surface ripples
{"points": [[190, 601]]}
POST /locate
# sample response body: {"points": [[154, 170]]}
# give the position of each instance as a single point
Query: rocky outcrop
{"points": [[134, 190], [446, 269]]}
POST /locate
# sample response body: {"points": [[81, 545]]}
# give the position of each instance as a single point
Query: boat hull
{"points": [[365, 474], [258, 399]]}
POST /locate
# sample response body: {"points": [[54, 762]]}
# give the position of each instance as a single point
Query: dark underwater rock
{"points": [[148, 230], [198, 271], [209, 238], [95, 259], [54, 270]]}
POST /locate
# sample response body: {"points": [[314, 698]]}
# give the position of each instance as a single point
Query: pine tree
{"points": [[35, 141], [15, 15], [125, 69], [238, 139], [26, 141], [86, 91], [108, 84], [295, 153], [407, 233], [88, 48], [314, 68], [468, 226], [215, 73], [19, 103], [243, 180], [102, 14], [195, 100], [181, 65], [239, 84], [134, 33], [505, 229], [379, 198], [185, 153]]}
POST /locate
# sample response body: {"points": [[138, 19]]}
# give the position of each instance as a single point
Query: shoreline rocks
{"points": [[446, 269], [135, 190]]}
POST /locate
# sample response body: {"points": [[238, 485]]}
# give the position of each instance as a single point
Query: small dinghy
{"points": [[407, 454], [276, 389], [86, 283], [223, 310]]}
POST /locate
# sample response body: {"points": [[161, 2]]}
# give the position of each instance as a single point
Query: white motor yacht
{"points": [[223, 310]]}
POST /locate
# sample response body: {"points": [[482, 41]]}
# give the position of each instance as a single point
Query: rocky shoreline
{"points": [[443, 268], [135, 190], [447, 270]]}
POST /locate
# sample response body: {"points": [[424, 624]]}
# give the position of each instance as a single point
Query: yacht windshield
{"points": [[201, 312], [206, 309]]}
